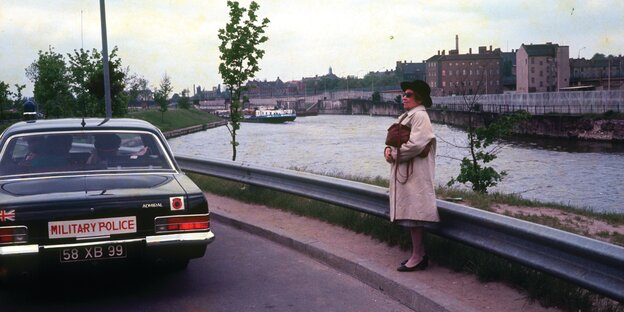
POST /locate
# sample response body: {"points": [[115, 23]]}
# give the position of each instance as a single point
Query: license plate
{"points": [[89, 253]]}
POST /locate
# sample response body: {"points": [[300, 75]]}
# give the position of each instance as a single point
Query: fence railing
{"points": [[564, 109], [592, 264]]}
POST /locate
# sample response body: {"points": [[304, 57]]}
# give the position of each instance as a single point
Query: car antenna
{"points": [[84, 111], [104, 121]]}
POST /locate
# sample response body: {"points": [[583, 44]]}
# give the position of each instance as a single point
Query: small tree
{"points": [[162, 94], [376, 97], [239, 57], [483, 143]]}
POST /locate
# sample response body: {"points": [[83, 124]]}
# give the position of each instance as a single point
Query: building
{"points": [[464, 74], [599, 73], [410, 71], [542, 68]]}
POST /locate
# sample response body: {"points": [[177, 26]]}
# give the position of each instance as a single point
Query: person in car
{"points": [[106, 147], [54, 152]]}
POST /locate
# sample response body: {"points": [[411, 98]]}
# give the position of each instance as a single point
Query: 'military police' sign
{"points": [[92, 227]]}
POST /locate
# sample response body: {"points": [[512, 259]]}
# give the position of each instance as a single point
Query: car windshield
{"points": [[59, 152]]}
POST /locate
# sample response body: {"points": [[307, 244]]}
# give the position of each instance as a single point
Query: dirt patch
{"points": [[568, 221]]}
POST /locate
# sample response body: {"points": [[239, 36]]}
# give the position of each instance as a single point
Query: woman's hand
{"points": [[388, 154]]}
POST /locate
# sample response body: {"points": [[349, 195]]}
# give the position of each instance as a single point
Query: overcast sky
{"points": [[306, 37]]}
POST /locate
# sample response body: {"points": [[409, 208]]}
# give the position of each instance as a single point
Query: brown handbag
{"points": [[398, 134]]}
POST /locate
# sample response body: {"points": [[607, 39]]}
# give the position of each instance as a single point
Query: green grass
{"points": [[549, 291], [175, 118]]}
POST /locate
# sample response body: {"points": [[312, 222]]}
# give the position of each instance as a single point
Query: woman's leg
{"points": [[418, 247]]}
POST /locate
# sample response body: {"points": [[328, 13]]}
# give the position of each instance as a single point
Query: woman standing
{"points": [[412, 192]]}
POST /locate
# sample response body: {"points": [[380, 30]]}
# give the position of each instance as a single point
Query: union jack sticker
{"points": [[7, 215]]}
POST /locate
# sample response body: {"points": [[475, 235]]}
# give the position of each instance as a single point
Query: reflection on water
{"points": [[584, 174], [569, 146]]}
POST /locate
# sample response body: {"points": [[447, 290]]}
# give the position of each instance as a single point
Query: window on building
{"points": [[443, 73], [541, 63], [443, 84], [532, 79], [541, 73], [532, 70], [464, 72]]}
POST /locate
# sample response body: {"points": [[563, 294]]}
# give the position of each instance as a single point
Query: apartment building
{"points": [[465, 74], [542, 68]]}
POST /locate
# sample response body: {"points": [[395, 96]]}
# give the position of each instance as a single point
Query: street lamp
{"points": [[579, 52]]}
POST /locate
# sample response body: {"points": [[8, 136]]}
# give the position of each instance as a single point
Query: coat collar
{"points": [[414, 110]]}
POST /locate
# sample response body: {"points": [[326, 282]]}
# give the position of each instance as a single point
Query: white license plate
{"points": [[89, 253], [92, 227]]}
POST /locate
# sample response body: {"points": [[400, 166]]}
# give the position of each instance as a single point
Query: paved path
{"points": [[371, 261]]}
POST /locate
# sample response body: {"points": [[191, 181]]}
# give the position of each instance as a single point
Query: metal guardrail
{"points": [[592, 264]]}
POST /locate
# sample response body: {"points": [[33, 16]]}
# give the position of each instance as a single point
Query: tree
{"points": [[184, 102], [376, 97], [50, 75], [483, 142], [4, 98], [239, 57], [81, 67], [137, 89], [161, 95], [95, 84]]}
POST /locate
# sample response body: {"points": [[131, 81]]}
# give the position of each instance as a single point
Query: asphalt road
{"points": [[240, 272]]}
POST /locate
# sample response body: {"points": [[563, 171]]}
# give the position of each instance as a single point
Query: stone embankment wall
{"points": [[192, 129], [556, 126]]}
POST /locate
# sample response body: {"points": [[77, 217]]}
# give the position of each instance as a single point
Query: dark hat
{"points": [[107, 141], [421, 88]]}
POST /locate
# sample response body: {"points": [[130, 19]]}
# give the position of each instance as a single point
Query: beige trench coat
{"points": [[415, 199]]}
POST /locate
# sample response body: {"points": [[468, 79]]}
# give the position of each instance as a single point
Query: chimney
{"points": [[469, 50], [443, 52], [457, 43], [438, 52], [490, 48]]}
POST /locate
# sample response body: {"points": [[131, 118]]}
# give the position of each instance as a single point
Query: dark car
{"points": [[98, 191]]}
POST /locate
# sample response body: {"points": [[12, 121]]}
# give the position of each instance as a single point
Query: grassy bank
{"points": [[549, 291], [175, 118]]}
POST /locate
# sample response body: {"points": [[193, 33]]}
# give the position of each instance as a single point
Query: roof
{"points": [[541, 49], [73, 124]]}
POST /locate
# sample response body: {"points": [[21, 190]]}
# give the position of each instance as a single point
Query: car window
{"points": [[83, 151]]}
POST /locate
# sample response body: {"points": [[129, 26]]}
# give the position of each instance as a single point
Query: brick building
{"points": [[542, 68], [463, 74]]}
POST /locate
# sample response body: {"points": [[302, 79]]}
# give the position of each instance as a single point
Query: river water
{"points": [[582, 174]]}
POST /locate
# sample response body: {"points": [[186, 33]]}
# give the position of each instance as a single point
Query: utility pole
{"points": [[107, 94]]}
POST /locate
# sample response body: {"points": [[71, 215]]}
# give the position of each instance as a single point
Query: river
{"points": [[582, 174]]}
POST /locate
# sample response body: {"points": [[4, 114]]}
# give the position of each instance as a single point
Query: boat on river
{"points": [[270, 115]]}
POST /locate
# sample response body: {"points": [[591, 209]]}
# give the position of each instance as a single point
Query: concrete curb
{"points": [[422, 299]]}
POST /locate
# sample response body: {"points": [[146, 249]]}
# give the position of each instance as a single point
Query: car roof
{"points": [[75, 124]]}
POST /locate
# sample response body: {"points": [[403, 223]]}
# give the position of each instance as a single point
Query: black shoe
{"points": [[420, 266]]}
